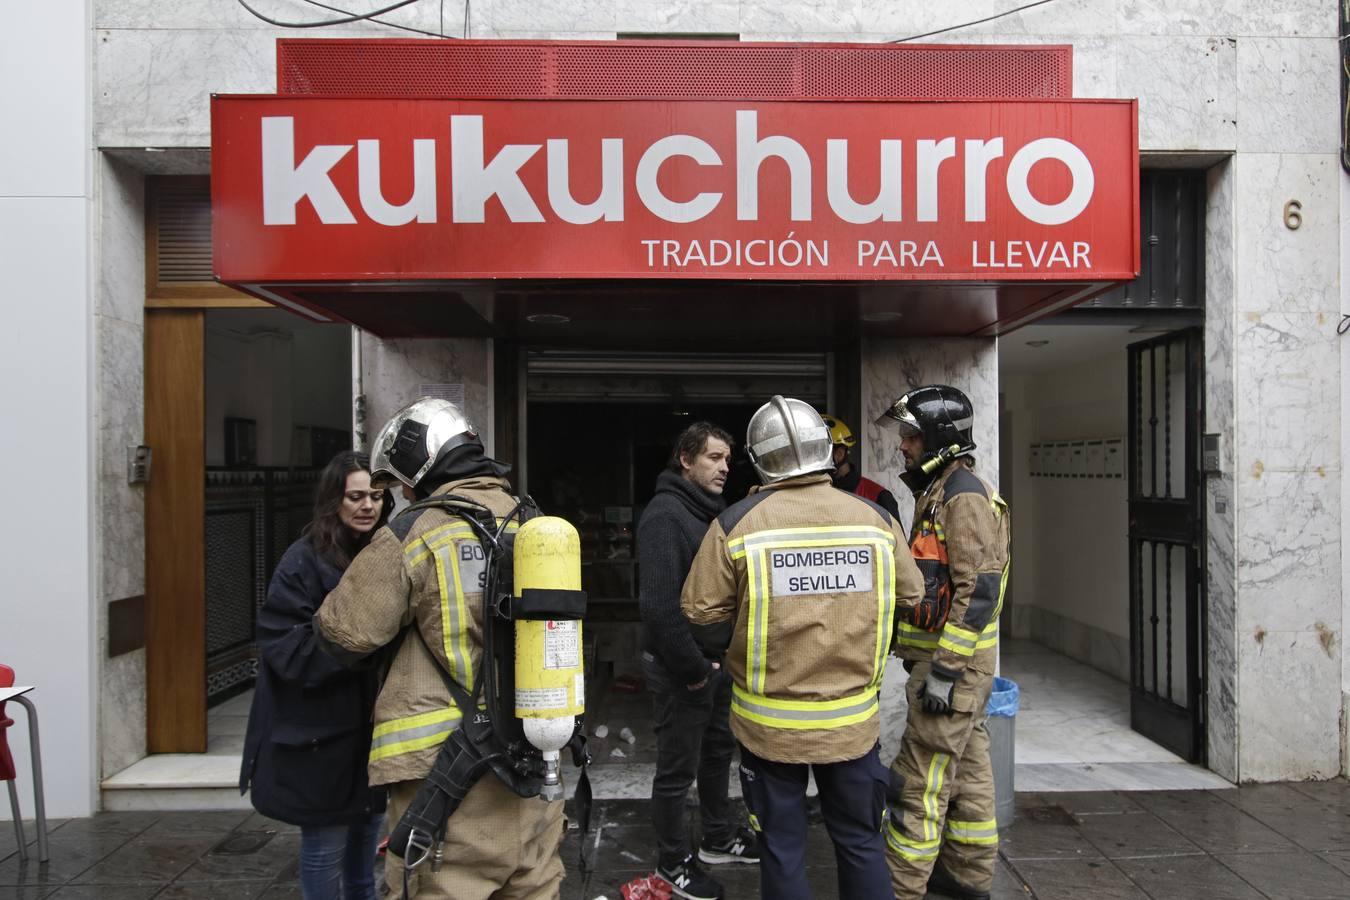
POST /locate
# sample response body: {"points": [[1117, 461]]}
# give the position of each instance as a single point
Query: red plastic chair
{"points": [[7, 771]]}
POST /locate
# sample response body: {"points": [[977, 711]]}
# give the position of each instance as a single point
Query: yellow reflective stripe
{"points": [[932, 787], [796, 537], [914, 636], [911, 849], [757, 623], [754, 823], [416, 732], [454, 617], [885, 577], [438, 537], [804, 714], [959, 646], [983, 832]]}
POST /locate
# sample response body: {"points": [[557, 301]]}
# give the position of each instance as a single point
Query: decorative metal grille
{"points": [[252, 516]]}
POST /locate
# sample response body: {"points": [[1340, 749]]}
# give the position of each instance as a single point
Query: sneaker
{"points": [[742, 848], [687, 880]]}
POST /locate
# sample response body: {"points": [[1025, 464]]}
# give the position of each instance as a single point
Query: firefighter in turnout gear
{"points": [[799, 584], [847, 476], [427, 569], [940, 829]]}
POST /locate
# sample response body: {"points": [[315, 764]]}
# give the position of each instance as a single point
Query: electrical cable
{"points": [[351, 17], [384, 23], [915, 37]]}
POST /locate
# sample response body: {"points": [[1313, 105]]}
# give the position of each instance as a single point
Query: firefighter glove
{"points": [[931, 612], [936, 693]]}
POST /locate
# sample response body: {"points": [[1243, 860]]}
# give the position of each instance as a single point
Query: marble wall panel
{"points": [[189, 14], [1288, 383], [1291, 705], [1186, 90], [795, 21], [392, 371], [121, 711], [121, 236], [1286, 102], [1279, 268], [1289, 561], [557, 15], [121, 506], [692, 16], [153, 88], [1291, 18], [1221, 508], [892, 366]]}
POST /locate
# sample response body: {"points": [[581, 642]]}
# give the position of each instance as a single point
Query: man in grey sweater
{"points": [[691, 695]]}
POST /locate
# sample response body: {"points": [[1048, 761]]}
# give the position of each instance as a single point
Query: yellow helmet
{"points": [[839, 432]]}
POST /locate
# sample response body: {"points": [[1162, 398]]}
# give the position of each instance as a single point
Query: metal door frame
{"points": [[1161, 521]]}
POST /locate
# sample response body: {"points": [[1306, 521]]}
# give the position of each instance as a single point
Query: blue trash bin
{"points": [[1002, 726]]}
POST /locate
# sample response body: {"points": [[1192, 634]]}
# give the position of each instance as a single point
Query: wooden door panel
{"points": [[175, 532]]}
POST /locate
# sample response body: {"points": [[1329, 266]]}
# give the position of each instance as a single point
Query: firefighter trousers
{"points": [[497, 845], [940, 800]]}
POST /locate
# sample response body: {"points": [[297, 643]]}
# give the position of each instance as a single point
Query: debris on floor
{"points": [[648, 887]]}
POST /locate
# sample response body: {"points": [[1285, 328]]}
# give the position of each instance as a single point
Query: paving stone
{"points": [[1295, 875], [70, 854], [1212, 823], [107, 891], [148, 859], [227, 890], [1075, 879], [1311, 824], [1125, 835], [283, 892], [1045, 838], [271, 858], [1091, 803], [180, 824], [1186, 878]]}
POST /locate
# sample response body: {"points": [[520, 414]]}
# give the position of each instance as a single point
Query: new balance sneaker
{"points": [[687, 880], [742, 848]]}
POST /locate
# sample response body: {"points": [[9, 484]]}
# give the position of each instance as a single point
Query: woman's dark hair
{"points": [[691, 442], [333, 540]]}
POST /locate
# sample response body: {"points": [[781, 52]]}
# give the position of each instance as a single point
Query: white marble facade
{"points": [[1250, 82], [892, 366], [393, 371]]}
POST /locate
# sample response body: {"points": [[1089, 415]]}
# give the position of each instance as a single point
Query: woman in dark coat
{"points": [[308, 736]]}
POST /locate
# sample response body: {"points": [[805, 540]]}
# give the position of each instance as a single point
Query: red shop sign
{"points": [[323, 189]]}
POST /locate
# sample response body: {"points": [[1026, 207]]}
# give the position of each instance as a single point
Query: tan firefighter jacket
{"points": [[799, 584], [960, 541], [425, 568]]}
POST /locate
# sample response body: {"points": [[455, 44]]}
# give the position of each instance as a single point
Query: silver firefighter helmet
{"points": [[409, 443], [786, 438]]}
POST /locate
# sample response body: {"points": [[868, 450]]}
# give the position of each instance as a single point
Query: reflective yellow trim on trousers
{"points": [[932, 787], [983, 833], [804, 714], [911, 849], [410, 733]]}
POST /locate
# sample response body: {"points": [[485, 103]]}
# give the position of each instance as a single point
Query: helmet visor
{"points": [[899, 417]]}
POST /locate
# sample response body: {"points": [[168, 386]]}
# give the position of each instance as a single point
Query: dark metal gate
{"points": [[252, 516], [1167, 542]]}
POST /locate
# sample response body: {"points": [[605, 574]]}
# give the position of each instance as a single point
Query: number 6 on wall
{"points": [[1293, 215]]}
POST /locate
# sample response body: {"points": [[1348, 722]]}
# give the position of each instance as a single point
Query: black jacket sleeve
{"points": [[886, 500], [662, 570], [286, 635]]}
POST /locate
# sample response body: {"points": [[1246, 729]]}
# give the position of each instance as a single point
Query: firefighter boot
{"points": [[943, 883]]}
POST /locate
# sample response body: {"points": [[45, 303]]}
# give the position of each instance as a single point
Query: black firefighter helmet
{"points": [[940, 414]]}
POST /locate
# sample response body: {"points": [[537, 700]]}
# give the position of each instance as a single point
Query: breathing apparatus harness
{"points": [[489, 735]]}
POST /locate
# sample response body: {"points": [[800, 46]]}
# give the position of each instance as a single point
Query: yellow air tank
{"points": [[550, 679]]}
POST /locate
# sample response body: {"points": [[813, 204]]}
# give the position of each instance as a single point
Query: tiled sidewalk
{"points": [[1273, 841]]}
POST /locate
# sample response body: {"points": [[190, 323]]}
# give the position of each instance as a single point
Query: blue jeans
{"points": [[338, 861]]}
